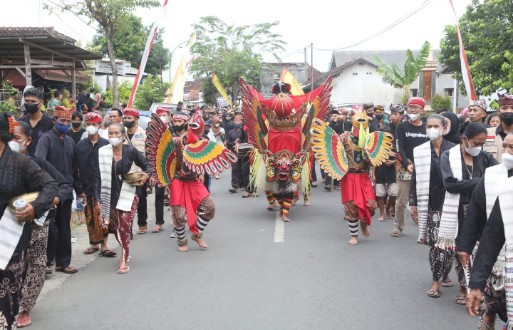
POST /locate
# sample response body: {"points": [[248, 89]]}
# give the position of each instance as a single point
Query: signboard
{"points": [[104, 67], [221, 102]]}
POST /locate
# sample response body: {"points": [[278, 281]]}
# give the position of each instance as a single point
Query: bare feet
{"points": [[307, 202], [353, 240], [123, 268], [284, 217], [182, 245], [199, 239], [381, 218], [23, 320], [365, 228], [183, 248]]}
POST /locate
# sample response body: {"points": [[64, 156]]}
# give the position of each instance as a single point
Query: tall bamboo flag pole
{"points": [[146, 53]]}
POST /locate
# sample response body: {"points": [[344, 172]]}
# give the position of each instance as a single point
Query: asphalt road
{"points": [[257, 274]]}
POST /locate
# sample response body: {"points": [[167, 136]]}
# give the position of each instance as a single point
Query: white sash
{"points": [[127, 193], [506, 206], [422, 156], [449, 221], [496, 178], [10, 233]]}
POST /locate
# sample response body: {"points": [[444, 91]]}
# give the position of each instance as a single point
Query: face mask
{"points": [[76, 125], [91, 130], [62, 128], [507, 118], [507, 160], [164, 119], [379, 116], [217, 125], [473, 151], [238, 125], [413, 116], [129, 124], [17, 147], [31, 107], [115, 141], [179, 128], [433, 133]]}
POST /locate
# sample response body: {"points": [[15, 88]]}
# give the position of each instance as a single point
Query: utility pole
{"points": [[311, 66]]}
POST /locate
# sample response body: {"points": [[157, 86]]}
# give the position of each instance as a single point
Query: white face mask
{"points": [[414, 116], [473, 151], [507, 160], [91, 130], [433, 133], [115, 141], [165, 119], [15, 146]]}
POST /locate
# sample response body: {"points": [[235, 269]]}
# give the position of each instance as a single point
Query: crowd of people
{"points": [[450, 172]]}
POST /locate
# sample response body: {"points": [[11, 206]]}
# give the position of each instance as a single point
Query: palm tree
{"points": [[403, 79]]}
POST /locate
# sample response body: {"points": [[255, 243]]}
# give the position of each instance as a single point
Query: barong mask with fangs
{"points": [[284, 166], [360, 130]]}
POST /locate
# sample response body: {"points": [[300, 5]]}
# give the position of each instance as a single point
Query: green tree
{"points": [[124, 90], [404, 78], [440, 102], [487, 32], [232, 51], [110, 15], [130, 40], [152, 90]]}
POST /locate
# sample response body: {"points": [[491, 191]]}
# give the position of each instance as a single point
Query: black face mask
{"points": [[379, 116], [180, 127], [31, 107], [76, 125], [129, 124], [507, 118]]}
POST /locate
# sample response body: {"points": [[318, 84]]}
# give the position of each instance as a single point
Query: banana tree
{"points": [[403, 79]]}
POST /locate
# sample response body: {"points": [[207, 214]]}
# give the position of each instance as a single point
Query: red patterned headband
{"points": [[12, 124]]}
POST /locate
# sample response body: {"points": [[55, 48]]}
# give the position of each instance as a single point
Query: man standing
{"points": [[396, 114], [39, 122], [373, 122], [76, 130], [408, 135], [85, 163], [496, 135], [477, 111], [136, 137], [233, 138], [57, 148]]}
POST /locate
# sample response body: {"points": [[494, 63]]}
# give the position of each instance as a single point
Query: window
{"points": [[369, 73], [355, 73], [449, 91], [414, 92]]}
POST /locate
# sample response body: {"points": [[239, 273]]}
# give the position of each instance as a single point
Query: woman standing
{"points": [[462, 167], [19, 176], [427, 197], [118, 197]]}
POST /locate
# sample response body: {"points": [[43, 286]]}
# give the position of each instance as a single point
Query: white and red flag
{"points": [[465, 70], [146, 53]]}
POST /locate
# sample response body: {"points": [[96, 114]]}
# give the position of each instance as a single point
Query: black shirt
{"points": [[43, 125], [85, 165], [76, 136], [407, 137], [58, 151]]}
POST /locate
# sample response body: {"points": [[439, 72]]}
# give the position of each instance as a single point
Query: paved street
{"points": [[248, 279]]}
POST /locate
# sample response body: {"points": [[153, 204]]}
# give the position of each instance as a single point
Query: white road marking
{"points": [[279, 229]]}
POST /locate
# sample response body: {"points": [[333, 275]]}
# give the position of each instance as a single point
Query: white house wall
{"points": [[361, 83]]}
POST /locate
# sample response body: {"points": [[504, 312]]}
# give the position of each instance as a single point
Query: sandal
{"points": [[482, 324], [108, 253], [433, 294], [124, 270], [396, 233], [448, 283], [91, 250], [142, 230], [157, 228], [461, 298], [246, 195], [66, 270]]}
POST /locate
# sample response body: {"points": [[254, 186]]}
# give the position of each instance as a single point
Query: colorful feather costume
{"points": [[279, 130], [349, 158], [177, 162]]}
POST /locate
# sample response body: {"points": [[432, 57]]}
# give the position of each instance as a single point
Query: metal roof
{"points": [[45, 44]]}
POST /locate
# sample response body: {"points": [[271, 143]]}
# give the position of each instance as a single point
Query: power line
{"points": [[389, 27]]}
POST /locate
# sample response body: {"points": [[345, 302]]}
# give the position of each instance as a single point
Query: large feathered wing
{"points": [[379, 147], [208, 157], [160, 151], [328, 149], [254, 117], [319, 105]]}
